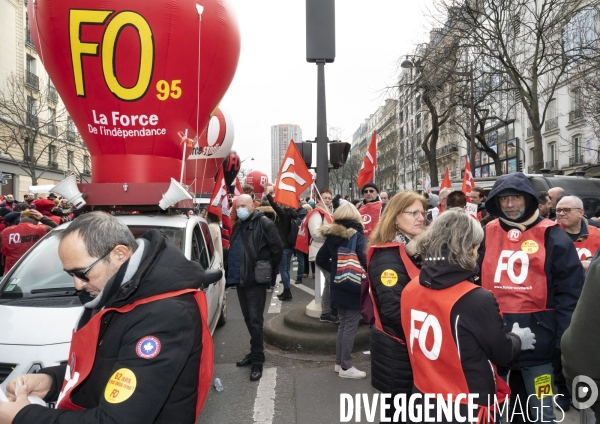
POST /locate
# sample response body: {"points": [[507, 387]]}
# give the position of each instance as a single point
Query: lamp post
{"points": [[408, 64]]}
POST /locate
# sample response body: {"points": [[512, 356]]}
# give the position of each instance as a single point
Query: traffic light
{"points": [[338, 153], [305, 149]]}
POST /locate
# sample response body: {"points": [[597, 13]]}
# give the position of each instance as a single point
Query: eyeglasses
{"points": [[81, 274], [566, 211], [369, 191], [415, 214]]}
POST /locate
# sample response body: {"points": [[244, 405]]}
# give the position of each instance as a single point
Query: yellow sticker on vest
{"points": [[389, 278], [121, 386], [543, 385], [530, 247]]}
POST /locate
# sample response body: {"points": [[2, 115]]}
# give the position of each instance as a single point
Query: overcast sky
{"points": [[275, 85]]}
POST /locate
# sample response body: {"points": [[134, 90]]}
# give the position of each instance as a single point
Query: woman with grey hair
{"points": [[454, 328]]}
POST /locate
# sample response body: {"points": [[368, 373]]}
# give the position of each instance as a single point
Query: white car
{"points": [[39, 306]]}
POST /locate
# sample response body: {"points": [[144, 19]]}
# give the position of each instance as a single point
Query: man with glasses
{"points": [[532, 268], [141, 350], [570, 216], [370, 208]]}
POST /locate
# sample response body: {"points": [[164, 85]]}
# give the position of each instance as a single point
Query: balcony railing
{"points": [[576, 160], [445, 150], [575, 114], [32, 120], [32, 81], [28, 39], [531, 169], [529, 131], [52, 94], [551, 123], [552, 164], [52, 130]]}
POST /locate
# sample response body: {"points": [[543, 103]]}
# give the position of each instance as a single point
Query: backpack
{"points": [[293, 232]]}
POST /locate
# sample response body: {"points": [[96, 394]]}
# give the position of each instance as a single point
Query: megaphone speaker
{"points": [[67, 188], [174, 194]]}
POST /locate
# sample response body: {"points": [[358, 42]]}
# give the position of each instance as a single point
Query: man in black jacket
{"points": [[137, 355], [255, 239]]}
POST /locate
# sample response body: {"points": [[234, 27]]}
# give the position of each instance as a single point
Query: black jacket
{"points": [[166, 387], [390, 365], [562, 269], [261, 236], [283, 219], [338, 234], [477, 328]]}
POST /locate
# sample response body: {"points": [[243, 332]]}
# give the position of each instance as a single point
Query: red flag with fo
{"points": [[367, 170], [293, 178], [446, 182], [219, 206], [468, 182]]}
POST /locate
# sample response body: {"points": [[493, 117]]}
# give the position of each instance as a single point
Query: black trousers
{"points": [[252, 301]]}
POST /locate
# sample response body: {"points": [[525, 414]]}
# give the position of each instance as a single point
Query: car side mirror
{"points": [[211, 276]]}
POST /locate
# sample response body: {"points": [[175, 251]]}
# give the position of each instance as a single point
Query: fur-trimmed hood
{"points": [[268, 211], [336, 230]]}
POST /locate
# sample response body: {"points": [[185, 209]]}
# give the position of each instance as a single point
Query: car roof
{"points": [[175, 221]]}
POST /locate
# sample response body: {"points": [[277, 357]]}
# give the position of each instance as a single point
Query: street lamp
{"points": [[408, 64], [249, 157]]}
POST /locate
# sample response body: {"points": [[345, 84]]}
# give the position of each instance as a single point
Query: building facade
{"points": [[38, 139], [280, 140]]}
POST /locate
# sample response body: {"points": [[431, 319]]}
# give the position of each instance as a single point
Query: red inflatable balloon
{"points": [[207, 155], [256, 179], [138, 77]]}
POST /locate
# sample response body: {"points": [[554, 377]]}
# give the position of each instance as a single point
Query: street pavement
{"points": [[295, 388]]}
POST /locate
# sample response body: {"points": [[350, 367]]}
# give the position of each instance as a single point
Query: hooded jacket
{"points": [[477, 328], [562, 269], [166, 387], [263, 240], [283, 219], [337, 235]]}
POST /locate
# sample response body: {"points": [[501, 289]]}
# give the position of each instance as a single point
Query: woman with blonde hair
{"points": [[345, 231], [389, 269], [454, 331]]}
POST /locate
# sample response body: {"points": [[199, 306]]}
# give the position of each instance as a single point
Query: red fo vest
{"points": [[84, 341], [412, 271], [17, 240], [588, 247], [513, 267], [432, 350], [303, 240], [370, 213]]}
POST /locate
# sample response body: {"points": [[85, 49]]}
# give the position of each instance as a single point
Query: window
{"points": [[575, 99], [51, 154], [199, 253], [576, 147], [209, 242], [552, 111], [30, 64], [418, 120], [579, 35], [401, 132], [86, 164], [401, 117], [531, 157], [52, 122], [70, 161], [552, 152], [31, 119], [418, 103], [27, 150]]}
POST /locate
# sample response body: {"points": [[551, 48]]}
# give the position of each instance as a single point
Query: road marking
{"points": [[304, 288], [264, 404], [275, 304]]}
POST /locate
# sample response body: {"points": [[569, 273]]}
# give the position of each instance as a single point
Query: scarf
{"points": [[400, 238]]}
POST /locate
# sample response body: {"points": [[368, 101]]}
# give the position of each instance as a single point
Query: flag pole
{"points": [[322, 202]]}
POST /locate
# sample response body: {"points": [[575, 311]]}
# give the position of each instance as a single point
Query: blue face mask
{"points": [[243, 213]]}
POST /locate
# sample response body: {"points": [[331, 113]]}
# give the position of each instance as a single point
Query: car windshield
{"points": [[588, 190], [41, 272]]}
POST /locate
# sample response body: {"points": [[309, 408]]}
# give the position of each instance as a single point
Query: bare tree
{"points": [[33, 124], [534, 43]]}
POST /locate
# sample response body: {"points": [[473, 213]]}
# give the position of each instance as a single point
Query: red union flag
{"points": [[446, 182], [468, 182], [367, 170], [293, 177]]}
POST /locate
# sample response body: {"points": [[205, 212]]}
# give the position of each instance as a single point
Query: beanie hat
{"points": [[370, 184], [44, 205]]}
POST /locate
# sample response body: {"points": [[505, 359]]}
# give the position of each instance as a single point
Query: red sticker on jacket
{"points": [[514, 235], [148, 347]]}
